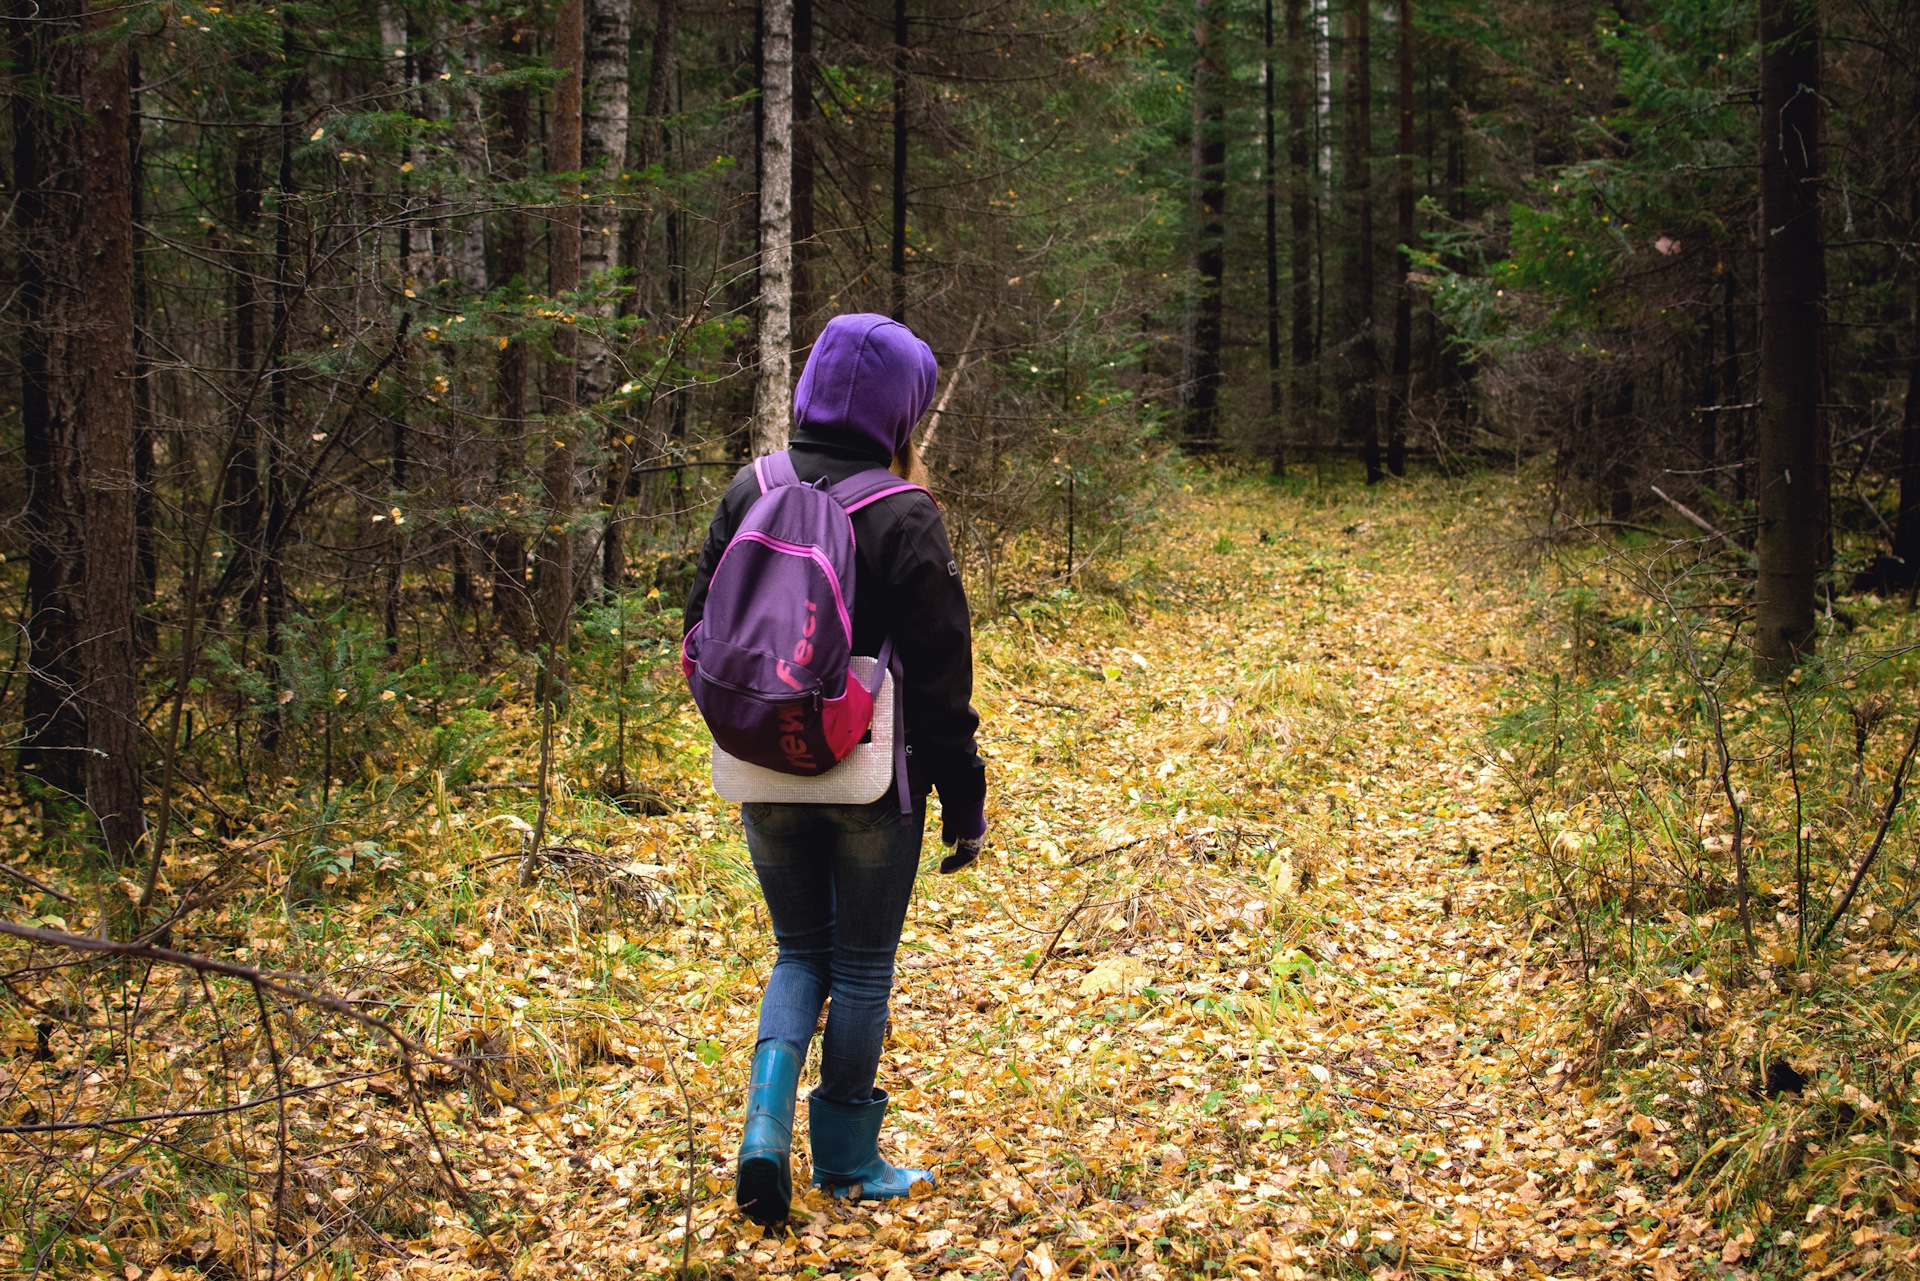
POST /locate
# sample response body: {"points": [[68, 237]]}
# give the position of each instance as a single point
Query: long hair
{"points": [[908, 465]]}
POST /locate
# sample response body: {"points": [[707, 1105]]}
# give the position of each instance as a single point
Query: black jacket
{"points": [[906, 585]]}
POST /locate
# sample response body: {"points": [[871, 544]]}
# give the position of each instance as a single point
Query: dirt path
{"points": [[1238, 988]]}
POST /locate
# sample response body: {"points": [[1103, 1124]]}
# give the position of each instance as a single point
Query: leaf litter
{"points": [[1235, 990]]}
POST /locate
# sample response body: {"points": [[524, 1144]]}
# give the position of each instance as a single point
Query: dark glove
{"points": [[963, 854], [963, 805]]}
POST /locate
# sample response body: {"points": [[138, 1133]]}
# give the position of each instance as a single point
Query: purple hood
{"points": [[867, 377]]}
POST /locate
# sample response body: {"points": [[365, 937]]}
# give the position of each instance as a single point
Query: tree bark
{"points": [[512, 606], [1301, 409], [899, 302], [74, 175], [773, 386], [1275, 396], [609, 35], [1792, 282], [656, 430], [1361, 366], [605, 129], [803, 300], [276, 534], [1400, 394], [241, 505], [146, 632], [553, 570], [1906, 531], [651, 140], [467, 232], [1200, 378]]}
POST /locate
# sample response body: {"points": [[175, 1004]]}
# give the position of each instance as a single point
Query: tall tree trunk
{"points": [[1400, 394], [241, 505], [1792, 281], [1361, 367], [74, 172], [1906, 531], [609, 40], [146, 631], [803, 300], [512, 606], [899, 304], [397, 447], [553, 571], [1275, 397], [1301, 411], [402, 76], [1322, 38], [1200, 381], [773, 387], [656, 432], [605, 130], [650, 140], [1731, 380], [273, 583], [55, 737], [467, 232]]}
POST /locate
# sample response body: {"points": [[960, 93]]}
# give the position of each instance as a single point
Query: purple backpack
{"points": [[768, 661]]}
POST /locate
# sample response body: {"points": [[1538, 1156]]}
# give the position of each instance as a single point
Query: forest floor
{"points": [[1237, 988], [1244, 985]]}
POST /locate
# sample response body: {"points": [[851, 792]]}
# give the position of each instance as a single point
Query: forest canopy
{"points": [[445, 321]]}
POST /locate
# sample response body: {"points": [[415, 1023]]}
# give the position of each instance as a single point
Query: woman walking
{"points": [[837, 877]]}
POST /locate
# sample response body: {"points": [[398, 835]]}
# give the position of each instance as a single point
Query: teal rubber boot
{"points": [[763, 1186], [846, 1151]]}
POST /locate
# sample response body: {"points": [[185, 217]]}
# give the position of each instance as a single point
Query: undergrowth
{"points": [[1729, 866]]}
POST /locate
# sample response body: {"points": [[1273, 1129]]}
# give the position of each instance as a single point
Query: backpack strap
{"points": [[775, 470], [869, 487], [852, 494], [889, 662]]}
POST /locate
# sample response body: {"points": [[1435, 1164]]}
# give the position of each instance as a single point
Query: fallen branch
{"points": [[1693, 517], [1060, 933], [932, 428], [1081, 860], [1047, 702], [42, 886], [188, 1114], [278, 982]]}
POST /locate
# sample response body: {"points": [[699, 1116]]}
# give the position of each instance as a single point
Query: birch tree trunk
{"points": [[604, 129], [512, 605], [467, 233], [553, 571], [609, 35], [1792, 281], [773, 387]]}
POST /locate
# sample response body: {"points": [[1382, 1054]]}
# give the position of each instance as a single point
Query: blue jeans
{"points": [[837, 880]]}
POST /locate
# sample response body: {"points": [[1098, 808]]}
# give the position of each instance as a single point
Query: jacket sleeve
{"points": [[726, 520], [934, 638]]}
